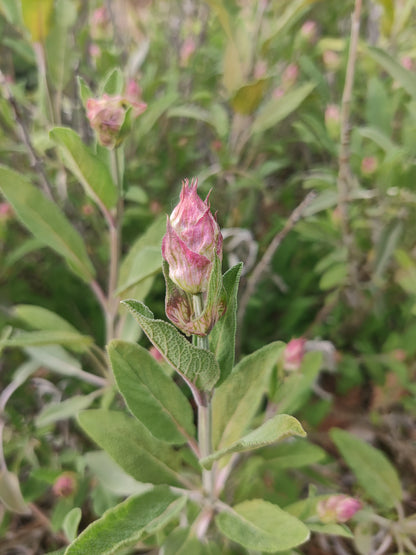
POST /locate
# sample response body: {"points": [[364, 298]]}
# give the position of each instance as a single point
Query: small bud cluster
{"points": [[108, 114]]}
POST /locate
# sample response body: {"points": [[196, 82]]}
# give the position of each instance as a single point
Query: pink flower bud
{"points": [[308, 31], [192, 250], [369, 165], [294, 353], [187, 49], [107, 115], [156, 354], [290, 75], [6, 210], [331, 60], [192, 240], [332, 120], [338, 508], [65, 485]]}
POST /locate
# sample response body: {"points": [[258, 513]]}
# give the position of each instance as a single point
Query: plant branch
{"points": [[261, 267], [35, 160], [344, 174]]}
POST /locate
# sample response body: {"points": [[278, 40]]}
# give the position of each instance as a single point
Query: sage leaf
{"points": [[237, 400], [374, 472], [197, 365], [277, 428], [262, 526], [46, 222], [89, 170], [132, 446], [151, 396], [124, 525], [222, 337]]}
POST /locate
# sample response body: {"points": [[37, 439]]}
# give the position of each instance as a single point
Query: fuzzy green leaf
{"points": [[132, 446], [46, 222], [90, 171], [49, 337], [197, 365], [237, 400], [277, 428], [150, 394], [375, 474], [222, 337], [147, 263], [71, 523], [127, 523], [262, 526]]}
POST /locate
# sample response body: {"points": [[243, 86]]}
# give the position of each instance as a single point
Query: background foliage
{"points": [[247, 96]]}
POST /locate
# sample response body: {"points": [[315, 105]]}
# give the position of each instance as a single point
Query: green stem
{"points": [[204, 412], [115, 245]]}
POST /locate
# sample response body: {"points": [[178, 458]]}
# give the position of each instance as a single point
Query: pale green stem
{"points": [[204, 412], [115, 243]]}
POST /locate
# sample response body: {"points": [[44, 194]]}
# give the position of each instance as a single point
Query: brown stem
{"points": [[344, 174], [35, 160]]}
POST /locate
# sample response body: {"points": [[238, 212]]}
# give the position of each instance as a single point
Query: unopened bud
{"points": [[331, 60], [192, 249], [332, 121], [294, 353], [369, 165], [338, 508], [107, 115], [308, 31], [65, 485]]}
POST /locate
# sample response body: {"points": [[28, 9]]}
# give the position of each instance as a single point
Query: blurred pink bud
{"points": [[338, 508], [187, 49], [407, 62], [332, 120], [308, 31], [94, 50], [87, 209], [107, 115], [278, 92], [133, 91], [192, 240], [290, 75], [65, 485], [100, 22], [331, 60], [294, 353], [260, 69], [6, 210], [369, 165], [156, 354]]}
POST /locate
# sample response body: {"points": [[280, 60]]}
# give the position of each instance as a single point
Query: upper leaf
{"points": [[132, 446], [150, 394], [222, 337], [124, 525], [90, 171], [197, 365], [375, 474], [236, 401], [44, 219], [280, 426], [262, 526]]}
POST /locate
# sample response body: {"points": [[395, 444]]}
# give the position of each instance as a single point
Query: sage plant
{"points": [[187, 467]]}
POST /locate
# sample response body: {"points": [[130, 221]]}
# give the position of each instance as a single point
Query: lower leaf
{"points": [[262, 526], [128, 522]]}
